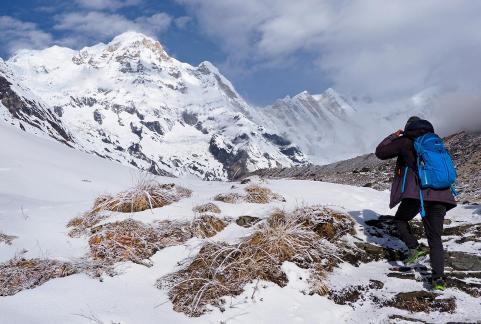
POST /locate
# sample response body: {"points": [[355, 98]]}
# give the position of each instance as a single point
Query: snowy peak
{"points": [[125, 49], [130, 102], [323, 125]]}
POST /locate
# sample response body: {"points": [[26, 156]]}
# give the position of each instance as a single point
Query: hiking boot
{"points": [[438, 284], [415, 254]]}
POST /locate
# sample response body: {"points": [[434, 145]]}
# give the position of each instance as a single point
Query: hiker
{"points": [[433, 203]]}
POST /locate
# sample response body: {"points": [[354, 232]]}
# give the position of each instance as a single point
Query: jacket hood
{"points": [[418, 128]]}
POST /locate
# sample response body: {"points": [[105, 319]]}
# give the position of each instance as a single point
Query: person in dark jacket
{"points": [[437, 202]]}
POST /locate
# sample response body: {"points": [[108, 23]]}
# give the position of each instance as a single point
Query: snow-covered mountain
{"points": [[129, 101], [329, 127], [19, 106], [324, 125]]}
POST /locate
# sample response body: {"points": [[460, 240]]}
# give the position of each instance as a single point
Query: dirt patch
{"points": [[147, 194], [254, 194], [422, 301], [351, 294], [207, 208], [7, 239], [221, 269], [20, 274]]}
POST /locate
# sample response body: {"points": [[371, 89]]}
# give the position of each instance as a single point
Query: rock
{"points": [[402, 275], [422, 301], [471, 288], [376, 252], [462, 261], [406, 319], [247, 221], [246, 180]]}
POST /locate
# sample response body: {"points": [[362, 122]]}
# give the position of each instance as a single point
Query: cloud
{"points": [[97, 25], [17, 34], [107, 4], [182, 22], [457, 111], [386, 49]]}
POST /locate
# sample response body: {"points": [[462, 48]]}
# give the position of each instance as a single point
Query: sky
{"points": [[272, 48]]}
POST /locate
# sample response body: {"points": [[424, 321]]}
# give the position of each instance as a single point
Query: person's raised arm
{"points": [[389, 148]]}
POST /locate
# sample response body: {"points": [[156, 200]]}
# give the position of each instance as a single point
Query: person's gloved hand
{"points": [[398, 133]]}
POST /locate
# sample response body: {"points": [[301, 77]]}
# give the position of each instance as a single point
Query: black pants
{"points": [[433, 228]]}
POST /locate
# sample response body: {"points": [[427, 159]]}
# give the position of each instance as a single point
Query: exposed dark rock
{"points": [[116, 108], [292, 152], [32, 112], [154, 126], [472, 289], [247, 221], [398, 318], [58, 110], [462, 261], [276, 139], [402, 275], [240, 138], [84, 101], [189, 118], [235, 163], [98, 117], [136, 130]]}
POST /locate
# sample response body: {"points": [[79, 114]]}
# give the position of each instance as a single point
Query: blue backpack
{"points": [[436, 169]]}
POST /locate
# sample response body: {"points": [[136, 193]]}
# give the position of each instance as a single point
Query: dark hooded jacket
{"points": [[402, 148]]}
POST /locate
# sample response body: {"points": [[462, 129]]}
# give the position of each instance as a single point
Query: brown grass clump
{"points": [[222, 270], [19, 274], [131, 240], [7, 239], [147, 194], [261, 195], [207, 226], [254, 194], [207, 208]]}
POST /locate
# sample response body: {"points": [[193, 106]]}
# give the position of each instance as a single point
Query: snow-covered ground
{"points": [[44, 184]]}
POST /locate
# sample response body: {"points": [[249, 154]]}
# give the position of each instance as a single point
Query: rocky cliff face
{"points": [[131, 102]]}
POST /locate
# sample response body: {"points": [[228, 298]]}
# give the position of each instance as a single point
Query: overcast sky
{"points": [[272, 48]]}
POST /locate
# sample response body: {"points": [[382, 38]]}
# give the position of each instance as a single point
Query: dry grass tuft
{"points": [[261, 195], [254, 194], [147, 194], [207, 208], [7, 239], [207, 226], [221, 270], [131, 240], [19, 274]]}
